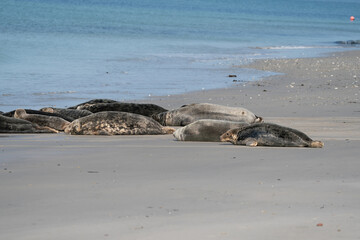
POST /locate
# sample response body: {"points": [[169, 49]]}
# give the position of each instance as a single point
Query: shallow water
{"points": [[60, 53]]}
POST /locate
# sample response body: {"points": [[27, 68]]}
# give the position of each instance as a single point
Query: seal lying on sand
{"points": [[116, 123], [31, 111], [13, 125], [269, 134], [67, 113], [42, 120], [193, 112], [93, 101], [207, 130], [138, 108]]}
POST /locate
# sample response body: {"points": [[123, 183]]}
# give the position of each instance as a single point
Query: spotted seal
{"points": [[146, 109], [14, 125], [269, 134], [67, 113], [116, 123], [56, 123], [190, 113], [206, 130]]}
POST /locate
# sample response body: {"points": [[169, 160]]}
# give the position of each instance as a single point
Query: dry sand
{"points": [[152, 187]]}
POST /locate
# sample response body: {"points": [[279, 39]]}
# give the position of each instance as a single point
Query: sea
{"points": [[63, 52]]}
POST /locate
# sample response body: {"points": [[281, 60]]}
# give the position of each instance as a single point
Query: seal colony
{"points": [[199, 121]]}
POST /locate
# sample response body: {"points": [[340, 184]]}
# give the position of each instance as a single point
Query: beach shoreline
{"points": [[321, 86], [153, 187]]}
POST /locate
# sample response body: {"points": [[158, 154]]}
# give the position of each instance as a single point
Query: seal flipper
{"points": [[45, 129], [316, 144], [250, 142], [258, 119], [168, 130]]}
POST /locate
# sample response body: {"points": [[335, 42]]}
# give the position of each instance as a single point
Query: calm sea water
{"points": [[62, 52]]}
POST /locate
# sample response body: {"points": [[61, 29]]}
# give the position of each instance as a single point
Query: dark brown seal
{"points": [[145, 109], [67, 113], [269, 134], [93, 101]]}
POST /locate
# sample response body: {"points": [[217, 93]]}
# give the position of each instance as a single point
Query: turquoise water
{"points": [[62, 52]]}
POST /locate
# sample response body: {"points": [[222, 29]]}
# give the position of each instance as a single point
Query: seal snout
{"points": [[226, 137]]}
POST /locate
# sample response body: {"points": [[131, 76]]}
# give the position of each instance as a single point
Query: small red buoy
{"points": [[352, 18]]}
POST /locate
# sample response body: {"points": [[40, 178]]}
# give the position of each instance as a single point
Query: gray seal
{"points": [[116, 123], [146, 109], [14, 125], [93, 101], [206, 130], [193, 112], [56, 123], [31, 111], [67, 113], [269, 134]]}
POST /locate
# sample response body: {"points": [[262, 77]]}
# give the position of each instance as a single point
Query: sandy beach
{"points": [[153, 187]]}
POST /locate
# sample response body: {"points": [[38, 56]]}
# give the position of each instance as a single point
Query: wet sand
{"points": [[153, 187]]}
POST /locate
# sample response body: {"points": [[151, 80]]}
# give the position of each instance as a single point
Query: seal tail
{"points": [[258, 119], [168, 130], [316, 144], [45, 129]]}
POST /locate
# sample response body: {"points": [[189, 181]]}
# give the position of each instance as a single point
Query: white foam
{"points": [[295, 47], [53, 93]]}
